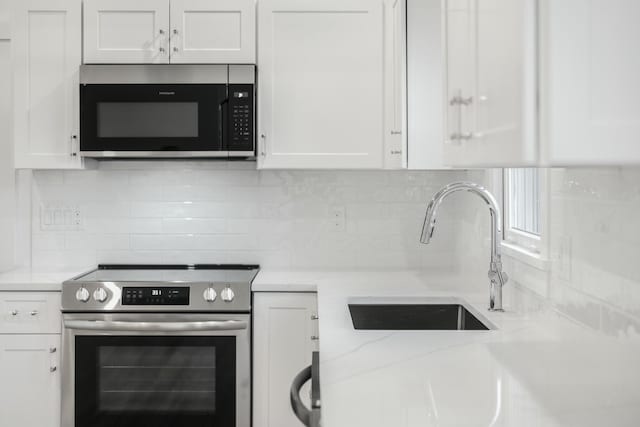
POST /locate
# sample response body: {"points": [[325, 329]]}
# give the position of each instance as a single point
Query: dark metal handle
{"points": [[301, 411], [222, 118]]}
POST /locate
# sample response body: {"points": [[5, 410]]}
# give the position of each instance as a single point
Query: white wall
{"points": [[197, 212], [595, 226], [594, 239]]}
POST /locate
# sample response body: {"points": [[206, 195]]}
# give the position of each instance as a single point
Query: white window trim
{"points": [[524, 247]]}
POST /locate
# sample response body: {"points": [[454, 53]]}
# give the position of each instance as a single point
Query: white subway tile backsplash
{"points": [[199, 211], [595, 228]]}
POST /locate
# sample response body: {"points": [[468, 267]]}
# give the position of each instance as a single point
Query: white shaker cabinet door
{"points": [[30, 386], [321, 84], [590, 82], [492, 83], [213, 31], [46, 53], [425, 80], [284, 337], [126, 31]]}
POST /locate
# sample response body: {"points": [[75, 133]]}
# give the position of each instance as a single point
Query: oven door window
{"points": [[153, 117], [155, 381]]}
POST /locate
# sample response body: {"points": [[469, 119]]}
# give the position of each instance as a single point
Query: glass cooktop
{"points": [[171, 273]]}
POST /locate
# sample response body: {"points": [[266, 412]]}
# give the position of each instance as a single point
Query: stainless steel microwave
{"points": [[168, 111]]}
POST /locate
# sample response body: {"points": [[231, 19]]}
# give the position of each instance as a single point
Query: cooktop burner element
{"points": [[161, 288]]}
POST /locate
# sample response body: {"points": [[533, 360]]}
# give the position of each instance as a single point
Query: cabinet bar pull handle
{"points": [[314, 338], [314, 317], [74, 138], [461, 136], [263, 152], [34, 312], [459, 100], [53, 369], [52, 349]]}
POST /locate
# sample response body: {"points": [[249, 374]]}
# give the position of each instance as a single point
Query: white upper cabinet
{"points": [[548, 83], [395, 85], [324, 94], [163, 31], [590, 89], [425, 80], [218, 31], [491, 117], [46, 52], [126, 31]]}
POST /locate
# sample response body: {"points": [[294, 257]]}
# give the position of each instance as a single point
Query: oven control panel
{"points": [[160, 295]]}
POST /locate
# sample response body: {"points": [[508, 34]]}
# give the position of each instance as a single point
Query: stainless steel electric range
{"points": [[157, 345]]}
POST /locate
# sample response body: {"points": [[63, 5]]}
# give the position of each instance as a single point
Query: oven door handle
{"points": [[100, 325]]}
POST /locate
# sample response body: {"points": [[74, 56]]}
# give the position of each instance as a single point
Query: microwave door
{"points": [[133, 119]]}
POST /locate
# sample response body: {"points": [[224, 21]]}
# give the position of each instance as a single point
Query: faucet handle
{"points": [[498, 277]]}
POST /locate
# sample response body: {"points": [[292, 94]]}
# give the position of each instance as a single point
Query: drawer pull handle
{"points": [[14, 312], [34, 312], [314, 338], [52, 349], [53, 369], [314, 317]]}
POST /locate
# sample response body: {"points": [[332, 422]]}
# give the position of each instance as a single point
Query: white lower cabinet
{"points": [[285, 334], [30, 386], [30, 342]]}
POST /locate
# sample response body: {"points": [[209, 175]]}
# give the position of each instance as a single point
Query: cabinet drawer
{"points": [[30, 313]]}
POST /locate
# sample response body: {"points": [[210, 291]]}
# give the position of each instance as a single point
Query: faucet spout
{"points": [[497, 277]]}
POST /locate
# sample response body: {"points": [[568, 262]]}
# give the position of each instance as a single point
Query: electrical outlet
{"points": [[338, 218], [60, 218]]}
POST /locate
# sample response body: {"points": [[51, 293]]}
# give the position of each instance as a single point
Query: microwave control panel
{"points": [[241, 106], [161, 295]]}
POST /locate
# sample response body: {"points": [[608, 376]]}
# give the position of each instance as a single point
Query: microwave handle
{"points": [[222, 118], [100, 325]]}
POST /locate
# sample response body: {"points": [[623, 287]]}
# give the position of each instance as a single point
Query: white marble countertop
{"points": [[43, 280], [536, 369]]}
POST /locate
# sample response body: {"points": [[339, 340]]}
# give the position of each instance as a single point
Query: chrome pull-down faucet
{"points": [[497, 277]]}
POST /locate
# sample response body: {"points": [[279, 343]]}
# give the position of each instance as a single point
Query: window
{"points": [[524, 213]]}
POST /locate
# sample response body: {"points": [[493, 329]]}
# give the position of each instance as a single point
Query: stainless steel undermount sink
{"points": [[434, 314]]}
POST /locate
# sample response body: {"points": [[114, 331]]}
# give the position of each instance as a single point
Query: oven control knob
{"points": [[227, 294], [82, 294], [210, 295], [100, 295]]}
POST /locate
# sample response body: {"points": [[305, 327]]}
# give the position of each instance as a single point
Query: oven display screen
{"points": [[155, 296]]}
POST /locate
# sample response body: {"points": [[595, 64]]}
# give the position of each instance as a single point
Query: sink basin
{"points": [[432, 315]]}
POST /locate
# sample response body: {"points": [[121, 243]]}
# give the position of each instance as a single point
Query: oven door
{"points": [[156, 370], [151, 120]]}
